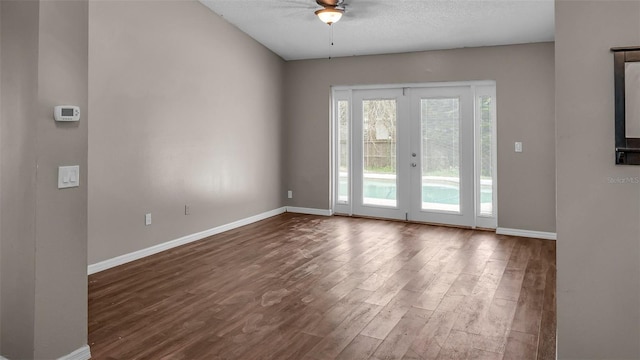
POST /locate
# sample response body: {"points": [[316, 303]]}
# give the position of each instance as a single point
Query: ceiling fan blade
{"points": [[325, 3], [293, 4], [362, 10]]}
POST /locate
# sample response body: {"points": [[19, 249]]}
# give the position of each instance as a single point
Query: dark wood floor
{"points": [[308, 287]]}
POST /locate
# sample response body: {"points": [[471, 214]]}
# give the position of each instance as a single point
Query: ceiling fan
{"points": [[331, 12]]}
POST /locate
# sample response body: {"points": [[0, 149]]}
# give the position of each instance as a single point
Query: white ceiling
{"points": [[290, 29]]}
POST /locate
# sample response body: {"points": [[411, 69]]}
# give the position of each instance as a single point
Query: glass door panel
{"points": [[342, 133], [379, 173], [379, 143], [442, 175], [486, 154], [343, 151], [440, 142]]}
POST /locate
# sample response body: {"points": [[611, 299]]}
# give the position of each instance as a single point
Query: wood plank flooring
{"points": [[308, 287]]}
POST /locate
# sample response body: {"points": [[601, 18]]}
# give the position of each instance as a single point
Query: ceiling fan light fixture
{"points": [[330, 15]]}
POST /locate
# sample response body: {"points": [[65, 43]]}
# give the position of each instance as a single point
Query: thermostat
{"points": [[66, 113]]}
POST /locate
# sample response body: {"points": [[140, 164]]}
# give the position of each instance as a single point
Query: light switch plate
{"points": [[68, 176]]}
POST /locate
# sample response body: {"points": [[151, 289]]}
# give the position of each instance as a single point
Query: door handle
{"points": [[414, 164], [414, 154]]}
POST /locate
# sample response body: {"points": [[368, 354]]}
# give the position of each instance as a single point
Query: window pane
{"points": [[486, 155], [440, 124], [343, 151], [379, 148]]}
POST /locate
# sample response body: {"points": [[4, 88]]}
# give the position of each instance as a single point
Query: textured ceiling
{"points": [[290, 28]]}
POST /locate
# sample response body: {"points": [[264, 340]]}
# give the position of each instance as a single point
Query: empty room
{"points": [[330, 179]]}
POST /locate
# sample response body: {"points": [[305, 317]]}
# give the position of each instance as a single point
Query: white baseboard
{"points": [[527, 233], [84, 353], [309, 211], [123, 259]]}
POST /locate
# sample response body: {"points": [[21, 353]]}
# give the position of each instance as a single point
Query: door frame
{"points": [[345, 92]]}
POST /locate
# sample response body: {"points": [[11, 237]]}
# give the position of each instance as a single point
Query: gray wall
{"points": [[0, 178], [525, 97], [18, 157], [185, 109], [43, 230], [61, 215], [598, 294]]}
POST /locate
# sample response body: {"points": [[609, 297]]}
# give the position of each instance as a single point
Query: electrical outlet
{"points": [[147, 219], [187, 210], [518, 146], [290, 194]]}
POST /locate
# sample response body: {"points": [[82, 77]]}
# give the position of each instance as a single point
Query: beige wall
{"points": [[18, 156], [61, 215], [43, 230], [525, 97], [598, 293], [1, 31], [185, 109], [0, 178]]}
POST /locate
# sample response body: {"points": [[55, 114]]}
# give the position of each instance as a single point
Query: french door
{"points": [[421, 153], [379, 175]]}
